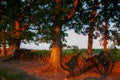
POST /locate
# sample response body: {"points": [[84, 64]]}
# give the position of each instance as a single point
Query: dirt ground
{"points": [[35, 67]]}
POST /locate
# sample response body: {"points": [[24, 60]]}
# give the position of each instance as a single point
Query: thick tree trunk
{"points": [[3, 52], [56, 53], [91, 29], [12, 49], [105, 38], [13, 46], [15, 38]]}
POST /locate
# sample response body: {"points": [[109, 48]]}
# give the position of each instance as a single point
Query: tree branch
{"points": [[59, 1], [73, 10]]}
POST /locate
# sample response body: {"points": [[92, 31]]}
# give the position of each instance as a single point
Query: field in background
{"points": [[115, 53]]}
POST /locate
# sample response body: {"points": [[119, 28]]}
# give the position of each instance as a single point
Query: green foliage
{"points": [[29, 36], [115, 54]]}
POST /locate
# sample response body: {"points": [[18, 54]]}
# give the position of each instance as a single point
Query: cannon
{"points": [[102, 61]]}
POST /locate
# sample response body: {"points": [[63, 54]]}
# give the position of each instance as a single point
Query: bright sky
{"points": [[73, 39]]}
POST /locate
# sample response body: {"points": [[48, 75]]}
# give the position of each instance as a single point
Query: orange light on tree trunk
{"points": [[105, 37]]}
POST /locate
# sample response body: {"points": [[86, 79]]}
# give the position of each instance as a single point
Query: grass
{"points": [[115, 53], [42, 52], [11, 74], [8, 74]]}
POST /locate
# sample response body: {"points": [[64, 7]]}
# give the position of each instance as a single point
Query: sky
{"points": [[73, 39]]}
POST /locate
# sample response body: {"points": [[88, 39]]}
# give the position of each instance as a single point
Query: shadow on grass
{"points": [[14, 74]]}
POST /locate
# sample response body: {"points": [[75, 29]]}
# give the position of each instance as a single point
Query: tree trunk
{"points": [[15, 37], [105, 37], [3, 52], [90, 40], [91, 29], [56, 53], [13, 46]]}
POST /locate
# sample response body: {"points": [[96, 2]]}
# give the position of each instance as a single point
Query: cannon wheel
{"points": [[105, 63]]}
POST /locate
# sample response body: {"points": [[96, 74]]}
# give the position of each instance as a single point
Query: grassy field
{"points": [[115, 53], [66, 51]]}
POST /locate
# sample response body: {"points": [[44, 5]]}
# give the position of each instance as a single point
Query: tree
{"points": [[3, 35], [92, 14], [115, 20], [87, 14], [108, 15], [15, 20], [92, 24], [55, 59], [3, 41]]}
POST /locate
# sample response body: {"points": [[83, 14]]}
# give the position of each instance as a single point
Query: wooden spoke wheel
{"points": [[105, 63]]}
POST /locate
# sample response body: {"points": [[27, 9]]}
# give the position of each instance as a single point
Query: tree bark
{"points": [[15, 37], [12, 48], [105, 38], [3, 52], [90, 40], [56, 53], [91, 29]]}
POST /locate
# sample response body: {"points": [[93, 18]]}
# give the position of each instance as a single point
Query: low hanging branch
{"points": [[73, 10]]}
